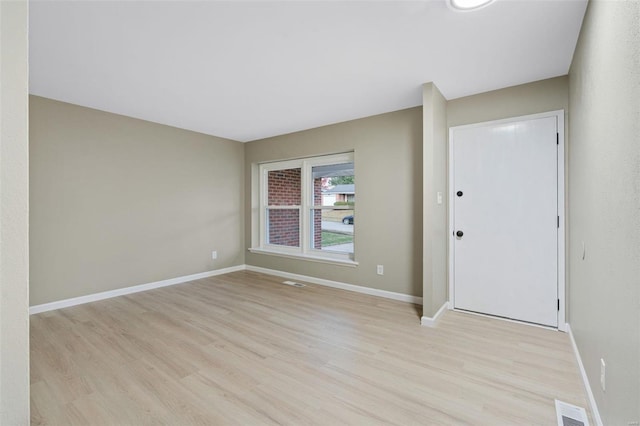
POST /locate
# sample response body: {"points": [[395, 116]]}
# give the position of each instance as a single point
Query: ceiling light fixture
{"points": [[466, 5]]}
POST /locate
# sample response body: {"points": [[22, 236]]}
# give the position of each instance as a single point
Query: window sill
{"points": [[309, 257]]}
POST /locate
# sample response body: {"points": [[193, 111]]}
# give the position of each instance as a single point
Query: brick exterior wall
{"points": [[284, 227], [317, 214], [284, 189]]}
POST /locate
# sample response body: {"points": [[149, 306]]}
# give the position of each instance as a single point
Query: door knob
{"points": [[459, 193], [459, 233]]}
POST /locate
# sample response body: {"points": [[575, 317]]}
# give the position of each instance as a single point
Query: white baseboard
{"points": [[335, 284], [585, 379], [128, 290], [433, 321], [36, 309]]}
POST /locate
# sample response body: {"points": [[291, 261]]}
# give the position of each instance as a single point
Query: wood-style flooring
{"points": [[243, 348]]}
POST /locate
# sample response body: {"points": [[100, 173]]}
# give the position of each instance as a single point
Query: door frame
{"points": [[559, 115]]}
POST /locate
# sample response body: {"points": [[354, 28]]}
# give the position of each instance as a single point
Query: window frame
{"points": [[305, 209]]}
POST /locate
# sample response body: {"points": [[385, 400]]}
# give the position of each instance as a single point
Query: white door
{"points": [[505, 219]]}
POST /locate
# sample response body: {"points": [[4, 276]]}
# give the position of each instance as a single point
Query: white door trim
{"points": [[559, 115]]}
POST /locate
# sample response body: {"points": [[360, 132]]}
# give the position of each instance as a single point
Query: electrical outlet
{"points": [[380, 269], [603, 368], [214, 255]]}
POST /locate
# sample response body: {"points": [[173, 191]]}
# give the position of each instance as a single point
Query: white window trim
{"points": [[299, 255], [305, 251]]}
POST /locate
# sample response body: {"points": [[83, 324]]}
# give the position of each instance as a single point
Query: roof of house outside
{"points": [[341, 189]]}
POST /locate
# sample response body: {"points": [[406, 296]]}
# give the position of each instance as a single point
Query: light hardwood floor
{"points": [[243, 348]]}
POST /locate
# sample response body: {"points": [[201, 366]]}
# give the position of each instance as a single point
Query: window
{"points": [[307, 208]]}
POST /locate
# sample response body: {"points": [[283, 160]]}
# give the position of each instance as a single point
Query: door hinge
{"points": [[558, 222], [558, 305], [557, 138]]}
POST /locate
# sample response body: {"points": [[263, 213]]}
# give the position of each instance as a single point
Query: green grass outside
{"points": [[332, 239]]}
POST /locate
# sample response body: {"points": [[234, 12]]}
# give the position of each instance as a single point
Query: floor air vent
{"points": [[293, 284], [570, 415]]}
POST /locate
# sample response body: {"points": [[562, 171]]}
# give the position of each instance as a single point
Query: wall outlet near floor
{"points": [[603, 368], [214, 255], [380, 269]]}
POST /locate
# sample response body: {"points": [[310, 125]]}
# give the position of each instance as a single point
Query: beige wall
{"points": [[604, 200], [117, 202], [531, 98], [435, 167], [388, 158], [14, 214]]}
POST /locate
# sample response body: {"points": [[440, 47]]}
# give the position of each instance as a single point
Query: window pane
{"points": [[284, 187], [333, 185], [332, 235], [283, 227]]}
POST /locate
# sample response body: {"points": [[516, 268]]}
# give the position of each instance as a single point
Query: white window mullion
{"points": [[263, 206], [287, 207], [305, 176]]}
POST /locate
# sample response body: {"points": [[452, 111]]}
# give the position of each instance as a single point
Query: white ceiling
{"points": [[246, 70]]}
